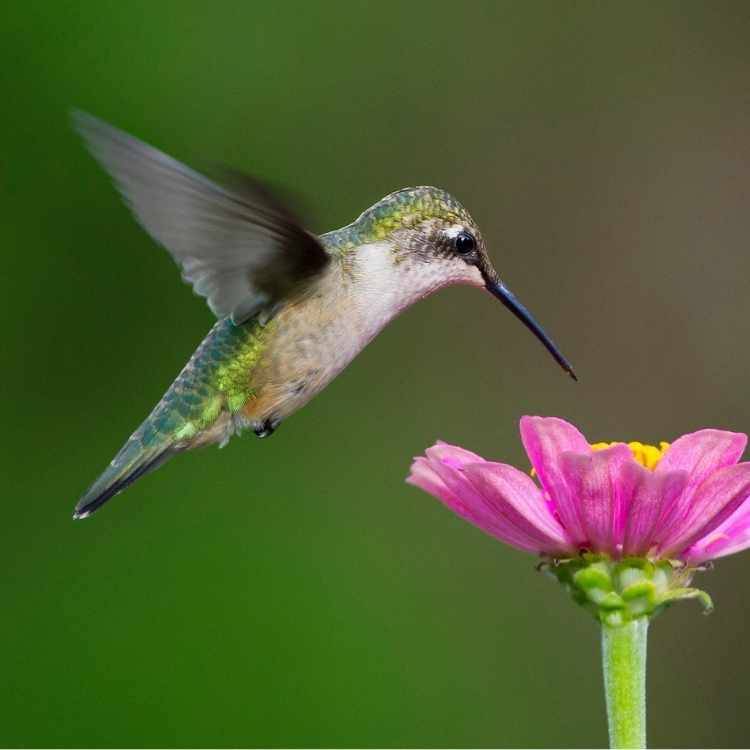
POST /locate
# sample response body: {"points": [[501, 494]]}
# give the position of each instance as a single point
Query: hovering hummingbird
{"points": [[293, 308]]}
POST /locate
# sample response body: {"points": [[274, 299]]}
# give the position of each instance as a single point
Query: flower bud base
{"points": [[619, 591]]}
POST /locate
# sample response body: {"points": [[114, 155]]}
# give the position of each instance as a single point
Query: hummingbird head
{"points": [[434, 242]]}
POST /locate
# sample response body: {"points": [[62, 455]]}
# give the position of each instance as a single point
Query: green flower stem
{"points": [[624, 663]]}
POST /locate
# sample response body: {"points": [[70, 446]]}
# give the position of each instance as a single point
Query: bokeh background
{"points": [[296, 591]]}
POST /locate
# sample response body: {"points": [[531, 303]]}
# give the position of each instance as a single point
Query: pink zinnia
{"points": [[623, 527], [686, 502]]}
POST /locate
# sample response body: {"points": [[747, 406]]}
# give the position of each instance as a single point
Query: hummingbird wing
{"points": [[238, 246]]}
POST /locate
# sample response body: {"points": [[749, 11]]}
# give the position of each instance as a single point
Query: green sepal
{"points": [[620, 591], [692, 593]]}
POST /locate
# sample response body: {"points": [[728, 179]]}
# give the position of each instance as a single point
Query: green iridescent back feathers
{"points": [[214, 381]]}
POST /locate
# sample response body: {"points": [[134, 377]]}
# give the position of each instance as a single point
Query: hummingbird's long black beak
{"points": [[499, 290]]}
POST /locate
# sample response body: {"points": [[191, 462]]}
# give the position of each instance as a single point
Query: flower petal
{"points": [[601, 486], [450, 487], [703, 452], [733, 535], [482, 512], [445, 462], [442, 473], [422, 475], [518, 502], [452, 455], [700, 454], [653, 497], [545, 439], [709, 506]]}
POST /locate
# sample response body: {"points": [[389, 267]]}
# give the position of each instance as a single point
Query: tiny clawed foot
{"points": [[266, 428]]}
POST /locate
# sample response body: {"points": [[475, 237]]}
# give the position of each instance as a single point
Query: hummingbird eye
{"points": [[464, 243]]}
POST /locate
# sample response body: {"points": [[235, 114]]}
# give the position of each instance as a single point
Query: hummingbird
{"points": [[293, 309]]}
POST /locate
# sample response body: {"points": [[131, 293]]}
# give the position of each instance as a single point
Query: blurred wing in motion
{"points": [[238, 246]]}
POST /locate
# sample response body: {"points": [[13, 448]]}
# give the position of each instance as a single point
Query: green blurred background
{"points": [[296, 591]]}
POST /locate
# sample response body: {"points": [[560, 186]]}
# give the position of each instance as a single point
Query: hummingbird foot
{"points": [[266, 427]]}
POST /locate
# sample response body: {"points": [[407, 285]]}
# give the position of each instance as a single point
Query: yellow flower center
{"points": [[647, 456]]}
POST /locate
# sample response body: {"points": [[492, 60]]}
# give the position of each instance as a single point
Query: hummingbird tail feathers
{"points": [[200, 408], [131, 463]]}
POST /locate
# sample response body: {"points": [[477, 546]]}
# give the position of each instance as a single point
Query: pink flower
{"points": [[688, 501]]}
